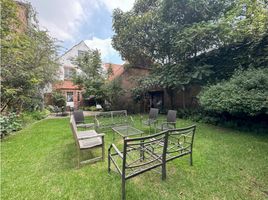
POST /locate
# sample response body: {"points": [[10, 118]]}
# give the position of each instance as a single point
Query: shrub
{"points": [[246, 93], [58, 99], [9, 123]]}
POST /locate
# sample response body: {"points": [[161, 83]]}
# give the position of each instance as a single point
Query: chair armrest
{"points": [[172, 123], [117, 151], [94, 136], [85, 125]]}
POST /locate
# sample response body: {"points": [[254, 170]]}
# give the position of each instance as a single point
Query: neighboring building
{"points": [[156, 97], [65, 85]]}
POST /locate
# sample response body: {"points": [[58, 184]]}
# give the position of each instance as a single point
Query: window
{"points": [[78, 96], [70, 96], [81, 53], [68, 73]]}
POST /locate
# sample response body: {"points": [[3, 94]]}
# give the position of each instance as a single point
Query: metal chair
{"points": [[152, 119], [170, 123], [80, 120], [139, 155], [87, 140], [104, 120], [180, 143]]}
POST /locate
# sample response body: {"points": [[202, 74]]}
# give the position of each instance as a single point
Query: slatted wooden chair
{"points": [[80, 120], [170, 122], [86, 140], [139, 155], [180, 143]]}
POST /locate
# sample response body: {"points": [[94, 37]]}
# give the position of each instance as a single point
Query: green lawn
{"points": [[39, 162]]}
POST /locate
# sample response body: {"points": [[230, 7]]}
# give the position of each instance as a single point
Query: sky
{"points": [[71, 21]]}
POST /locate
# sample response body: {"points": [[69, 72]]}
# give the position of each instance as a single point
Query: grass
{"points": [[40, 163]]}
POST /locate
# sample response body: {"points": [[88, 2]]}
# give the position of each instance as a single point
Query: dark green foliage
{"points": [[9, 124], [245, 93], [192, 42], [113, 92], [58, 99], [91, 78], [13, 122], [28, 61]]}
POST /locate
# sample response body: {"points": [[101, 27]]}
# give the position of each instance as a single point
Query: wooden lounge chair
{"points": [[139, 155], [80, 120], [87, 140], [170, 123]]}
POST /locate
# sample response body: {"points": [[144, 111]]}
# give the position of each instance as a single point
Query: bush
{"points": [[58, 99], [9, 124], [246, 93], [30, 117]]}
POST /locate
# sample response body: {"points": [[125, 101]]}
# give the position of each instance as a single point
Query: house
{"points": [[156, 97], [65, 85]]}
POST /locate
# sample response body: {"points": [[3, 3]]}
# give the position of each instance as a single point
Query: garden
{"points": [[218, 47], [41, 162]]}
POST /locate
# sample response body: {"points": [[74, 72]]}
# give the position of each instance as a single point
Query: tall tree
{"points": [[28, 60], [174, 34], [91, 79]]}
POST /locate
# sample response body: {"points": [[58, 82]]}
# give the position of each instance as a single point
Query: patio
{"points": [[40, 163]]}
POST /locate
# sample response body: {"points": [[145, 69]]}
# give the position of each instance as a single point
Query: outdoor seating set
{"points": [[139, 154]]}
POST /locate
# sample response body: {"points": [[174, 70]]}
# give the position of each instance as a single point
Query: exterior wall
{"points": [[129, 81], [129, 77], [66, 59], [190, 99]]}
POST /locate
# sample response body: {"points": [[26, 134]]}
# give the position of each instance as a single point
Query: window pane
{"points": [[68, 73], [70, 96]]}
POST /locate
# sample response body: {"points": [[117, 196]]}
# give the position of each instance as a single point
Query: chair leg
{"points": [[191, 159], [78, 159], [109, 162], [123, 189], [103, 151], [164, 172]]}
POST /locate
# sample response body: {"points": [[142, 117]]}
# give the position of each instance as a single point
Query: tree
{"points": [[113, 92], [91, 79], [28, 61], [181, 37]]}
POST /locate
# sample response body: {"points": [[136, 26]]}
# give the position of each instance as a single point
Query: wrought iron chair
{"points": [[170, 123], [87, 140], [139, 155], [80, 120], [180, 143], [104, 120], [152, 119]]}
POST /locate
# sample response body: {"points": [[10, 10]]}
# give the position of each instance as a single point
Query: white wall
{"points": [[66, 59]]}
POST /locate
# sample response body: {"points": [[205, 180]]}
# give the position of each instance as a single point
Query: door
{"points": [[70, 99], [157, 100]]}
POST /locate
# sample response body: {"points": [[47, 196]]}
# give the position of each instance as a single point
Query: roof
{"points": [[117, 70], [65, 85]]}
